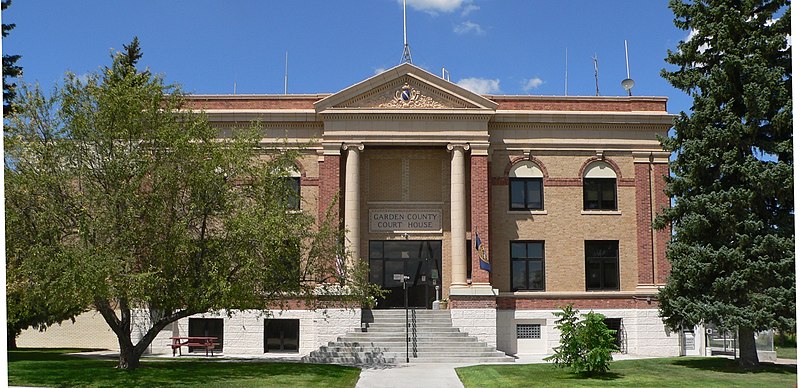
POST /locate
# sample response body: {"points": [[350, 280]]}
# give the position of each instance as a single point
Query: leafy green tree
{"points": [[569, 349], [10, 69], [585, 345], [119, 199], [732, 251]]}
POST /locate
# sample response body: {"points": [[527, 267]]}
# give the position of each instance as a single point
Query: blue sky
{"points": [[491, 46]]}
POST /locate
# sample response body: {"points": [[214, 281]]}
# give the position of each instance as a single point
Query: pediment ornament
{"points": [[405, 96]]}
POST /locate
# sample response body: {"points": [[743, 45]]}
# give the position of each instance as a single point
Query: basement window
{"points": [[529, 331], [281, 335]]}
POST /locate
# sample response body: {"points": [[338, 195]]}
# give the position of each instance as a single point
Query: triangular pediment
{"points": [[405, 87]]}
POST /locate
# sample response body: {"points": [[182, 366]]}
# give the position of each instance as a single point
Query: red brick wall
{"points": [[643, 223], [662, 201], [472, 302], [567, 104], [265, 102], [479, 187], [329, 185], [625, 302]]}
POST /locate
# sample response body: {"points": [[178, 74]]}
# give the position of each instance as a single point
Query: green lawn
{"points": [[786, 352], [41, 367], [661, 372]]}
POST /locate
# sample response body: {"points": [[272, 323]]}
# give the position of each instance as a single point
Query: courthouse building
{"points": [[560, 190]]}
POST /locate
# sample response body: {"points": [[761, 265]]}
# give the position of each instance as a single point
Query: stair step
{"points": [[432, 339]]}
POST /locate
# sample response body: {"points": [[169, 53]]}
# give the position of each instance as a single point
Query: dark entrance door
{"points": [[421, 261]]}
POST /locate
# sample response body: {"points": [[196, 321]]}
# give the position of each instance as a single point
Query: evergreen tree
{"points": [[732, 251], [10, 69]]}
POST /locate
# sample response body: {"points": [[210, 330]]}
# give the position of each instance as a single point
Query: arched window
{"points": [[525, 191], [599, 187]]}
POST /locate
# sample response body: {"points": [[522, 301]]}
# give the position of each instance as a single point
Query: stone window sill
{"points": [[601, 212], [528, 212]]}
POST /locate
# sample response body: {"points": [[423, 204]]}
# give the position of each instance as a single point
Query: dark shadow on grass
{"points": [[608, 376], [726, 365], [49, 369]]}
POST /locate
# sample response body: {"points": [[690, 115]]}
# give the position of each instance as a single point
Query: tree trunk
{"points": [[12, 340], [748, 357], [128, 357]]}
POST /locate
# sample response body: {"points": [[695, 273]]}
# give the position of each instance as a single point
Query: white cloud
{"points": [[530, 84], [692, 33], [480, 85], [467, 27], [468, 9], [434, 6], [379, 70]]}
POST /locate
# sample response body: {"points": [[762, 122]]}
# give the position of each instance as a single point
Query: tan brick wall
{"points": [[309, 182], [90, 330], [563, 228], [424, 183]]}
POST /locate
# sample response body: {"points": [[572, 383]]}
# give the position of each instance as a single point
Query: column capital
{"points": [[357, 146], [650, 156], [331, 149], [479, 149], [463, 146]]}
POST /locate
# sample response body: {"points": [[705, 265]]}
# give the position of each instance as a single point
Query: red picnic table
{"points": [[193, 342]]}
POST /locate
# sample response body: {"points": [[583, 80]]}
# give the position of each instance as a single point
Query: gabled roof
{"points": [[404, 87]]}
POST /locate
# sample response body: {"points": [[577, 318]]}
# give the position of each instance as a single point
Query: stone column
{"points": [[352, 201], [458, 216]]}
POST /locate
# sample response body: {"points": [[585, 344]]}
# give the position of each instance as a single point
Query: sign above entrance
{"points": [[410, 220]]}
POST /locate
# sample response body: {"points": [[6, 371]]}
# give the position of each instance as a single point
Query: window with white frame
{"points": [[599, 187], [525, 188]]}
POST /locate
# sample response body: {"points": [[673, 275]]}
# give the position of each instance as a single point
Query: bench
{"points": [[207, 343]]}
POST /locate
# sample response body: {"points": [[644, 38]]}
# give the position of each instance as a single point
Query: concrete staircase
{"points": [[432, 339]]}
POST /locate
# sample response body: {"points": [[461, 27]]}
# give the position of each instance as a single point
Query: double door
{"points": [[421, 261]]}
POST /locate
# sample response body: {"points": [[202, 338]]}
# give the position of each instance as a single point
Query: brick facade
{"points": [[329, 186], [660, 171], [472, 302], [551, 303], [405, 165], [479, 197], [644, 234]]}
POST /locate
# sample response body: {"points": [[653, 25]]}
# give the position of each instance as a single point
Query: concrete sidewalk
{"points": [[411, 375]]}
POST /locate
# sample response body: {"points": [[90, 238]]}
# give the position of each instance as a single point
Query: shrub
{"points": [[585, 345]]}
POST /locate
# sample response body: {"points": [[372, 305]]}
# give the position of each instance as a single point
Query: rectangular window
{"points": [[527, 265], [525, 194], [281, 335], [529, 331], [616, 325], [602, 265], [206, 327], [599, 194], [293, 193]]}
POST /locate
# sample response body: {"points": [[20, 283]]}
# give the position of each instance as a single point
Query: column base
{"points": [[480, 289]]}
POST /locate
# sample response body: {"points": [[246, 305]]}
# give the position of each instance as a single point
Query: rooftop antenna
{"points": [[406, 49], [234, 86], [627, 83], [596, 79], [566, 68], [445, 74], [286, 75]]}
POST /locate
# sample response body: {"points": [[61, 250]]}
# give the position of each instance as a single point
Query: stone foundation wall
{"points": [[643, 332], [243, 331]]}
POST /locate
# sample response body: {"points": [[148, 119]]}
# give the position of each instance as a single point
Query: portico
{"points": [[380, 125]]}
